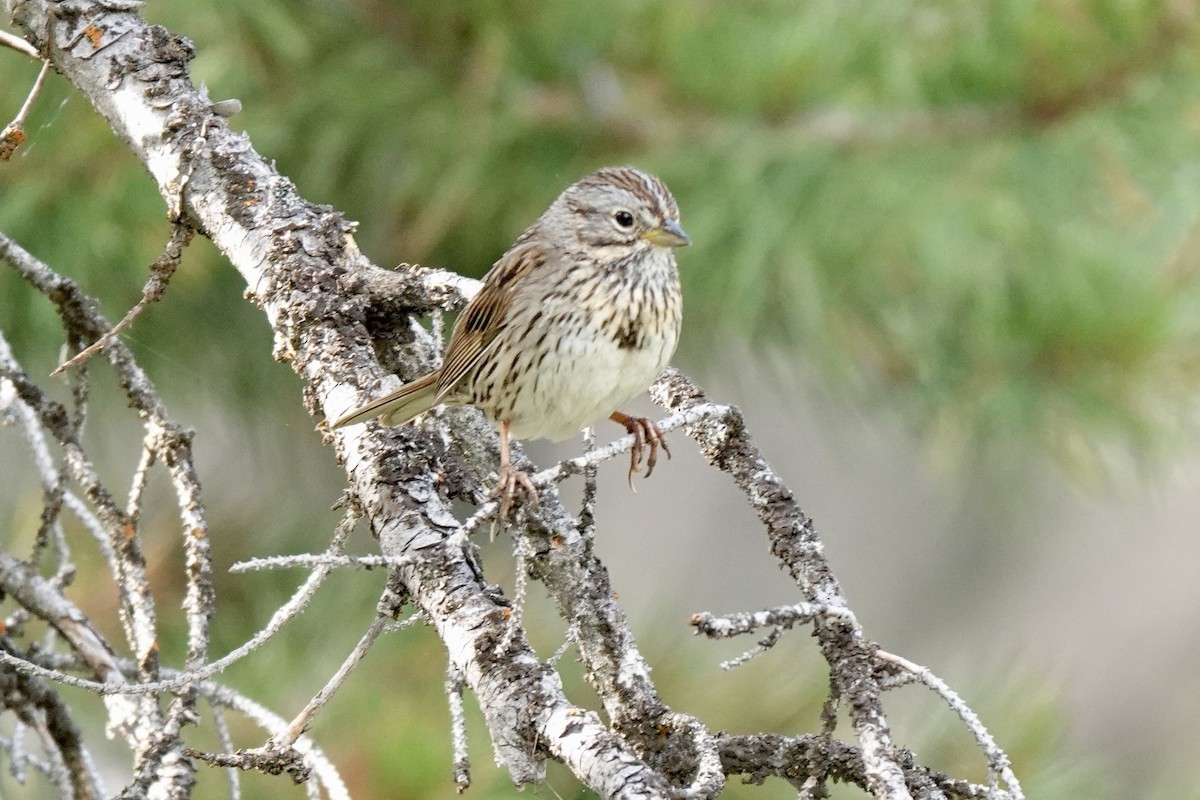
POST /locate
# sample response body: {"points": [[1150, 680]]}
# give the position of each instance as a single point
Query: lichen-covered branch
{"points": [[349, 329], [297, 260]]}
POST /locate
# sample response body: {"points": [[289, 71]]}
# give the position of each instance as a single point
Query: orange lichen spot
{"points": [[616, 596], [94, 34], [557, 541], [199, 533], [10, 140], [506, 614], [129, 530]]}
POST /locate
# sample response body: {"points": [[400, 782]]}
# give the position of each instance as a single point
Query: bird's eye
{"points": [[623, 218]]}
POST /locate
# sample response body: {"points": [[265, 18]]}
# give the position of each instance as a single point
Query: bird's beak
{"points": [[669, 234]]}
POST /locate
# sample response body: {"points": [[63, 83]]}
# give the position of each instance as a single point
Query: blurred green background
{"points": [[953, 239]]}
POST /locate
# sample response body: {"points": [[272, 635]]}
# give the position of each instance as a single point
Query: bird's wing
{"points": [[480, 322]]}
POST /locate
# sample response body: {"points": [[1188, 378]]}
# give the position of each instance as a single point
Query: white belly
{"points": [[592, 378]]}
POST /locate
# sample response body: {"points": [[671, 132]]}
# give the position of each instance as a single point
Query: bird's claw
{"points": [[512, 480], [647, 438]]}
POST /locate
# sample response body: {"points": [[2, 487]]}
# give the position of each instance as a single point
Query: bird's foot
{"points": [[513, 480], [648, 437]]}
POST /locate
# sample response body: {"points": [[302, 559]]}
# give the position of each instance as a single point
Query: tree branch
{"points": [[294, 257], [334, 317]]}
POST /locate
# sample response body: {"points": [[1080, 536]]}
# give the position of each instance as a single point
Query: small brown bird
{"points": [[579, 316]]}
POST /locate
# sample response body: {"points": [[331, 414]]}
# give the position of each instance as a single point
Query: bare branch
{"points": [[19, 581], [727, 445], [293, 256], [458, 729], [999, 766], [18, 44], [748, 622], [68, 765], [160, 275], [333, 315], [223, 736], [309, 560], [300, 724], [304, 755], [128, 563], [13, 134]]}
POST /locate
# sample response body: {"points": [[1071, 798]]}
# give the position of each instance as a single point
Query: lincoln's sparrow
{"points": [[579, 316]]}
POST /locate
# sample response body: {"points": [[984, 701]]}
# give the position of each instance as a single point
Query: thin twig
{"points": [[49, 474], [587, 511], [18, 44], [580, 464], [18, 759], [568, 640], [515, 621], [998, 762], [57, 771], [764, 644], [289, 610], [42, 710], [458, 728], [226, 742], [156, 739], [19, 119], [51, 477], [13, 135], [160, 275], [726, 444], [300, 724], [747, 622], [781, 618], [141, 475], [309, 560], [128, 562]]}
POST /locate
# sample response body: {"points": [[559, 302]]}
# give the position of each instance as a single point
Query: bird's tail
{"points": [[398, 407]]}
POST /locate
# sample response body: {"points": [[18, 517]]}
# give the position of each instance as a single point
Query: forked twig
{"points": [[999, 765]]}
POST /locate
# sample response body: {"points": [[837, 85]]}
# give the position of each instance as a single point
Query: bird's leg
{"points": [[511, 479], [645, 433]]}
